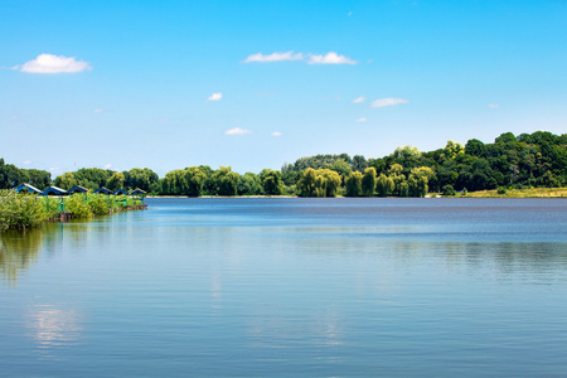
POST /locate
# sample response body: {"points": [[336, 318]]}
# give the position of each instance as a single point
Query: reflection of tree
{"points": [[17, 250]]}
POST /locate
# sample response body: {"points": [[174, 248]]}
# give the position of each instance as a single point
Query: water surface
{"points": [[291, 287]]}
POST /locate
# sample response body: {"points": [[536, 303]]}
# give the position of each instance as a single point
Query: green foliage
{"points": [[369, 182], [354, 184], [188, 182], [78, 207], [272, 182], [12, 176], [385, 185], [226, 181], [448, 190], [249, 184], [20, 211], [116, 181], [501, 190]]}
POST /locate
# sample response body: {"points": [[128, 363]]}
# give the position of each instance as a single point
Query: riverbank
{"points": [[509, 193]]}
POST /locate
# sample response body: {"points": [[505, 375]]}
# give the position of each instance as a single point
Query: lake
{"points": [[291, 287]]}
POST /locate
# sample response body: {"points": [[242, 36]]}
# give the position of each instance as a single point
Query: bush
{"points": [[448, 190], [78, 207], [501, 190]]}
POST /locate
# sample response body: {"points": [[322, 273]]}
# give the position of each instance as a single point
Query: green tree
{"points": [[116, 181], [354, 184], [369, 182], [272, 181]]}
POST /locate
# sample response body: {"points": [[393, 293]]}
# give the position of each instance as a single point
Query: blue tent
{"points": [[78, 189], [102, 190], [120, 191], [28, 188], [137, 191], [54, 191]]}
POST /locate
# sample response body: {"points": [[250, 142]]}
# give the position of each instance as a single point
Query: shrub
{"points": [[448, 190], [501, 190]]}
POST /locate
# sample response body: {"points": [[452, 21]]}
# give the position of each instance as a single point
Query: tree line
{"points": [[528, 160]]}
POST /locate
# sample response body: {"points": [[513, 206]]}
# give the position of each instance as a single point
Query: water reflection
{"points": [[17, 251], [52, 327]]}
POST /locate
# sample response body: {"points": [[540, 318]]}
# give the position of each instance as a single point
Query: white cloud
{"points": [[359, 100], [363, 119], [276, 134], [108, 166], [382, 102], [493, 106], [237, 131], [274, 57], [53, 169], [52, 64], [27, 162], [97, 111], [215, 97], [349, 13], [330, 58]]}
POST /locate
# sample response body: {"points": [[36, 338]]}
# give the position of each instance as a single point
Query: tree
{"points": [[226, 181], [353, 184], [329, 181], [116, 181], [65, 181], [359, 163], [369, 182], [307, 185], [384, 185], [249, 184], [271, 181]]}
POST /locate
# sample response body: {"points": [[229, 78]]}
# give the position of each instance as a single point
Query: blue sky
{"points": [[142, 73]]}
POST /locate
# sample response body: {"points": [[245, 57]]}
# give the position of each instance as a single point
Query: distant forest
{"points": [[528, 160]]}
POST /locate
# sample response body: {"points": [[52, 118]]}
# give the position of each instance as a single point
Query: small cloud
{"points": [[359, 100], [53, 64], [274, 57], [493, 106], [276, 134], [237, 131], [215, 97], [107, 166], [27, 162], [14, 118], [53, 169], [382, 102], [338, 98], [349, 13], [97, 111], [330, 58], [363, 119]]}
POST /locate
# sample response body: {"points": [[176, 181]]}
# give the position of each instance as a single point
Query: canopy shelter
{"points": [[137, 191], [54, 191], [120, 191], [78, 189], [102, 190], [27, 188]]}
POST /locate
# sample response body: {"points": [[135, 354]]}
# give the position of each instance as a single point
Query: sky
{"points": [[254, 84]]}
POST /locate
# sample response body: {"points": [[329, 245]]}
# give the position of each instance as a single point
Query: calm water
{"points": [[291, 287]]}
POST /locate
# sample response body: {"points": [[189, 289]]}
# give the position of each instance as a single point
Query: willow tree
{"points": [[116, 181], [65, 181], [226, 181], [329, 182], [369, 182], [272, 181], [353, 184], [307, 185], [385, 185]]}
